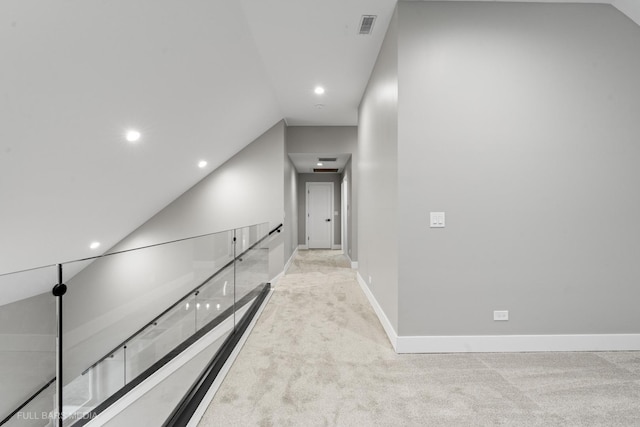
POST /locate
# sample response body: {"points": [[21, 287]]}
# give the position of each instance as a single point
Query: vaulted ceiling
{"points": [[199, 80]]}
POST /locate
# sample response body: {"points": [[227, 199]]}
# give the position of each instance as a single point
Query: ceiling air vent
{"points": [[325, 170], [327, 159], [366, 24]]}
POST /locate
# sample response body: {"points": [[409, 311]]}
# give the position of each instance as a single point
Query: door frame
{"points": [[344, 221], [330, 184]]}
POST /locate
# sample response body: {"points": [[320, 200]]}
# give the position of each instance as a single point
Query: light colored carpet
{"points": [[319, 357]]}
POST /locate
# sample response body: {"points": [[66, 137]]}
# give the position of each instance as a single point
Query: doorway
{"points": [[319, 215], [345, 214]]}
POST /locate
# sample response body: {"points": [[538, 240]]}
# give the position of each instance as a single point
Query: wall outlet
{"points": [[369, 279], [501, 315]]}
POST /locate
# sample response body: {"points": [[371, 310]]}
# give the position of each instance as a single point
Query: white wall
{"points": [[377, 171], [520, 121]]}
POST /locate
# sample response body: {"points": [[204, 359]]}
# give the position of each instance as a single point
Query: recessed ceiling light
{"points": [[202, 163], [319, 90], [319, 164], [94, 245], [133, 135]]}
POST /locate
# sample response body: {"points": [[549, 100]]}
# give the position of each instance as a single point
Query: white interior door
{"points": [[319, 215]]}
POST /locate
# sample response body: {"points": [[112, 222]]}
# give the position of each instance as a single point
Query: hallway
{"points": [[318, 356]]}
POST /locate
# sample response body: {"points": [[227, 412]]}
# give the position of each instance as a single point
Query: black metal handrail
{"points": [[256, 293], [155, 319], [181, 300], [184, 411]]}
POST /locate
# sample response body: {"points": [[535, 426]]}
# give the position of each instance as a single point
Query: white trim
{"points": [[354, 264], [499, 343], [274, 281], [384, 320], [336, 247], [303, 247], [206, 401], [518, 343]]}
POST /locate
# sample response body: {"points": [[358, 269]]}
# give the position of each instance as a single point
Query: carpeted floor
{"points": [[319, 357]]}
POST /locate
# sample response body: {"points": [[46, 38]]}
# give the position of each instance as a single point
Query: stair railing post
{"points": [[234, 279], [58, 291]]}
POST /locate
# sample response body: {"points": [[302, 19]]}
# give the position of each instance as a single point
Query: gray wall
{"points": [[303, 179], [347, 175], [290, 207], [377, 172], [333, 140], [520, 121], [112, 298]]}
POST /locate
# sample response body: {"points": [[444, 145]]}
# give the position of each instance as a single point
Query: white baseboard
{"points": [[499, 343], [354, 264], [384, 320], [303, 247], [274, 281], [518, 343]]}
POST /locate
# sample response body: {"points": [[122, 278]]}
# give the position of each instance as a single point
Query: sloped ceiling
{"points": [[199, 79], [76, 74]]}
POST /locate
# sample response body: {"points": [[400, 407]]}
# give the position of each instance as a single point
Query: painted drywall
{"points": [[377, 177], [113, 297], [520, 121], [347, 175], [303, 179], [290, 207], [333, 140]]}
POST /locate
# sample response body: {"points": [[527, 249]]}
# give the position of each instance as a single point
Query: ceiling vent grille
{"points": [[366, 24], [325, 170], [327, 159]]}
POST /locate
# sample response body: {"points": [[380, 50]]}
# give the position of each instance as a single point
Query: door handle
{"points": [[328, 219]]}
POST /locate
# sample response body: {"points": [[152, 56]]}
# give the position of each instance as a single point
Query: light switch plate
{"points": [[436, 219]]}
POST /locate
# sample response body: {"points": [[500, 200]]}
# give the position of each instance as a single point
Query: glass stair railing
{"points": [[102, 352]]}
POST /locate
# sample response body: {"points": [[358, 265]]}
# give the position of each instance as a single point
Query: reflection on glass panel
{"points": [[252, 265], [132, 301], [38, 412], [85, 392], [158, 339], [110, 298], [215, 297], [27, 347]]}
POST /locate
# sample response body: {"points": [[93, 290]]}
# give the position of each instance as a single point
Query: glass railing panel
{"points": [[215, 298], [157, 340], [155, 406], [27, 345], [126, 298], [36, 413], [252, 261]]}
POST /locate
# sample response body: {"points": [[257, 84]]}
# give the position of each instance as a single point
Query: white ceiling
{"points": [[200, 79]]}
